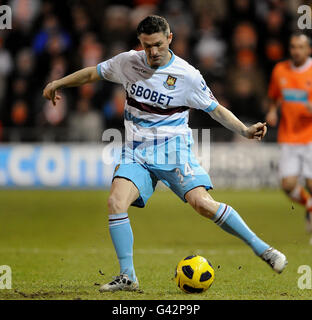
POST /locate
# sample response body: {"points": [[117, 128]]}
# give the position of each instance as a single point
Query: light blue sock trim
{"points": [[219, 212], [117, 216]]}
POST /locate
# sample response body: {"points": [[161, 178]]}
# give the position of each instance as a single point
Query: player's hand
{"points": [[271, 118], [256, 131], [50, 92]]}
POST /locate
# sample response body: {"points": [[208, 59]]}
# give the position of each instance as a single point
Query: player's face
{"points": [[299, 49], [156, 47]]}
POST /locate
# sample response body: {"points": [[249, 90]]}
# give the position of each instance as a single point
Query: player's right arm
{"points": [[272, 115], [110, 70], [273, 93], [83, 76]]}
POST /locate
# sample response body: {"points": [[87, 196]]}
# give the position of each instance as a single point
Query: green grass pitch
{"points": [[58, 246]]}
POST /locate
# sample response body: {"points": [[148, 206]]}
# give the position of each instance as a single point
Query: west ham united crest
{"points": [[170, 83]]}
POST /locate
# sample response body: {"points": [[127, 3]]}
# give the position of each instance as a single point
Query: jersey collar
{"points": [[164, 66], [302, 68]]}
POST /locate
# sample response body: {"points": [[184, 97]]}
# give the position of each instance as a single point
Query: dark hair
{"points": [[298, 33], [153, 24]]}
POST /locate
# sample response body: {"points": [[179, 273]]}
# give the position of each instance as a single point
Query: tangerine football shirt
{"points": [[292, 87]]}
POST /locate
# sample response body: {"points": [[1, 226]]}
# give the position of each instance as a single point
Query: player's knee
{"points": [[288, 185], [116, 204], [204, 206]]}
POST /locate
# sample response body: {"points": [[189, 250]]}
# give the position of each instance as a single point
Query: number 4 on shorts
{"points": [[188, 170]]}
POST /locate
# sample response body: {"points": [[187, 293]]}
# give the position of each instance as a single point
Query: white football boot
{"points": [[120, 283], [275, 259]]}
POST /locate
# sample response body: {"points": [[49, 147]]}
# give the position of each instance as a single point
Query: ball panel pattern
{"points": [[194, 274], [188, 271], [189, 289], [190, 257], [205, 276]]}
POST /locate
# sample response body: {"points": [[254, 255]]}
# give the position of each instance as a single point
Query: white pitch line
{"points": [[143, 251]]}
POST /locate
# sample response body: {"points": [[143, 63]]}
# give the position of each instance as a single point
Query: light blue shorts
{"points": [[170, 162]]}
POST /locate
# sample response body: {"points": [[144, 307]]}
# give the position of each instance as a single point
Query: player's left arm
{"points": [[230, 121], [201, 97]]}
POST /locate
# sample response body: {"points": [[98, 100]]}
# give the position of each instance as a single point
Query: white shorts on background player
{"points": [[296, 160]]}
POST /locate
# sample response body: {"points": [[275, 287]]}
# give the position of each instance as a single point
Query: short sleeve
{"points": [[200, 96], [274, 90], [111, 69]]}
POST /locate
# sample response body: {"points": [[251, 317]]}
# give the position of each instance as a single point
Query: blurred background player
{"points": [[290, 91]]}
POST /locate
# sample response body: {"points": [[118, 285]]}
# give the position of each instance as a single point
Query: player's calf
{"points": [[299, 194], [122, 194], [202, 202], [230, 221]]}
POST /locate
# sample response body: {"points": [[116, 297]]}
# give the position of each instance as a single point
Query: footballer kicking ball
{"points": [[194, 274]]}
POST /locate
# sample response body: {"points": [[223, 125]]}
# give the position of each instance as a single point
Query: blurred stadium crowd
{"points": [[234, 43]]}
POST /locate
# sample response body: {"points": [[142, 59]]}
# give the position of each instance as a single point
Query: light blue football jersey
{"points": [[157, 100]]}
